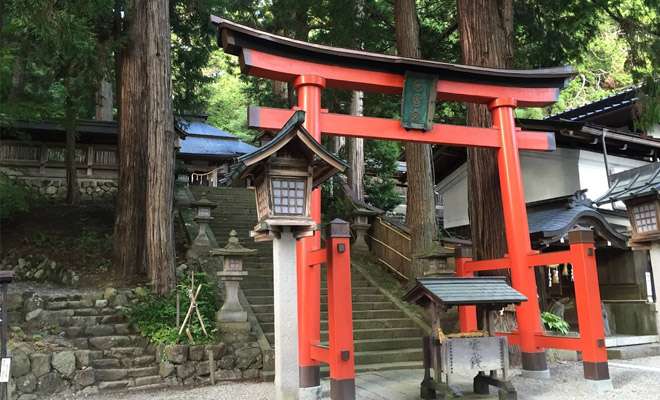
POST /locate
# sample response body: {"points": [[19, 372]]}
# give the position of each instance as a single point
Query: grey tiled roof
{"points": [[636, 182], [451, 291]]}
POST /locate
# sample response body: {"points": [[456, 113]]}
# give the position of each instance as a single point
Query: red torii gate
{"points": [[311, 68]]}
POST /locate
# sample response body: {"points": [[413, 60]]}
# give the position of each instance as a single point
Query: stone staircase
{"points": [[105, 345], [385, 338]]}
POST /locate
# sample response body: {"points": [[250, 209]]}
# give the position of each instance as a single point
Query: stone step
{"points": [[100, 330], [69, 304], [357, 315], [106, 363], [147, 382], [266, 289], [388, 356], [120, 374], [113, 385], [384, 305], [142, 372], [113, 341], [66, 297], [632, 352], [390, 366], [388, 344], [111, 374], [357, 298], [142, 361], [94, 312], [269, 327], [366, 334], [129, 351]]}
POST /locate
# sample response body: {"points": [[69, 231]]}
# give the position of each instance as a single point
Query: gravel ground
{"points": [[632, 380]]}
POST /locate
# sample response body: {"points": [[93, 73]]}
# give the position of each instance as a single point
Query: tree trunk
{"points": [[144, 233], [486, 38], [104, 97], [355, 147], [420, 213], [70, 120], [159, 242], [131, 197]]}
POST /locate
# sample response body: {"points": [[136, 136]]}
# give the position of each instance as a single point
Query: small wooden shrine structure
{"points": [[480, 352]]}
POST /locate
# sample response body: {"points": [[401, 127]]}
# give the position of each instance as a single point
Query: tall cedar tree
{"points": [[420, 214], [144, 235], [486, 38]]}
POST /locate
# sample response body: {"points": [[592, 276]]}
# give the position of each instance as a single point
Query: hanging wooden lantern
{"points": [[284, 172]]}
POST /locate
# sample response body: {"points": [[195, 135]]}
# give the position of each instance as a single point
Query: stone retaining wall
{"points": [[55, 189], [81, 343]]}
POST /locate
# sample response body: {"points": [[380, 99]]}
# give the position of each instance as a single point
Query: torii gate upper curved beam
{"points": [[275, 57]]}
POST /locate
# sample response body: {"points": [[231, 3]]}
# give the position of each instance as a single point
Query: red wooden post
{"points": [[341, 354], [519, 247], [467, 315], [589, 309], [309, 89]]}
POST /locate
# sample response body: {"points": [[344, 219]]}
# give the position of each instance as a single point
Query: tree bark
{"points": [[159, 243], [131, 197], [104, 97], [70, 120], [144, 233], [420, 213], [486, 38], [355, 148]]}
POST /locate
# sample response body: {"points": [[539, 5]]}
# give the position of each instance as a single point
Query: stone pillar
{"points": [[360, 225], [285, 298], [232, 318], [655, 268], [204, 241]]}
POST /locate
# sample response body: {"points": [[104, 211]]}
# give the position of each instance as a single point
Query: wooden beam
{"points": [[390, 129], [270, 66]]}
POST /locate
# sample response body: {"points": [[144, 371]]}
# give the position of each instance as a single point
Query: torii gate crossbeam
{"points": [[312, 68]]}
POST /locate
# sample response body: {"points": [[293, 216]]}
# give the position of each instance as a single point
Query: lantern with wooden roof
{"points": [[284, 172], [639, 189]]}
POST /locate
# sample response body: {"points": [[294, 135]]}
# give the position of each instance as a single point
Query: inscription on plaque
{"points": [[418, 102]]}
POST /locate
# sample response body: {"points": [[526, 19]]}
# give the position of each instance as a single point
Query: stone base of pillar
{"points": [[310, 393], [342, 389], [233, 332], [360, 243], [535, 365]]}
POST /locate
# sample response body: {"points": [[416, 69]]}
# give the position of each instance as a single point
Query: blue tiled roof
{"points": [[202, 128], [204, 139], [195, 145]]}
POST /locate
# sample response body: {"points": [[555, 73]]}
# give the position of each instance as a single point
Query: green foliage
{"points": [[155, 316], [229, 99], [14, 197], [555, 323], [648, 108], [380, 166], [54, 55]]}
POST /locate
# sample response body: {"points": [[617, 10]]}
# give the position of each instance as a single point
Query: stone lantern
{"points": [[438, 261], [284, 172], [204, 241], [232, 316]]}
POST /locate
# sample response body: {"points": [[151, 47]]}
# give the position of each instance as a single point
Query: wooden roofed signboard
{"points": [[452, 291]]}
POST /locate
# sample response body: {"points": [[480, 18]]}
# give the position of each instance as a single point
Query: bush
{"points": [[555, 323], [14, 197], [155, 316]]}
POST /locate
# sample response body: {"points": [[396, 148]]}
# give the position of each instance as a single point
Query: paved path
{"points": [[633, 380]]}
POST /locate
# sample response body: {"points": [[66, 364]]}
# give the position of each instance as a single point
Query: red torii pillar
{"points": [[309, 89]]}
